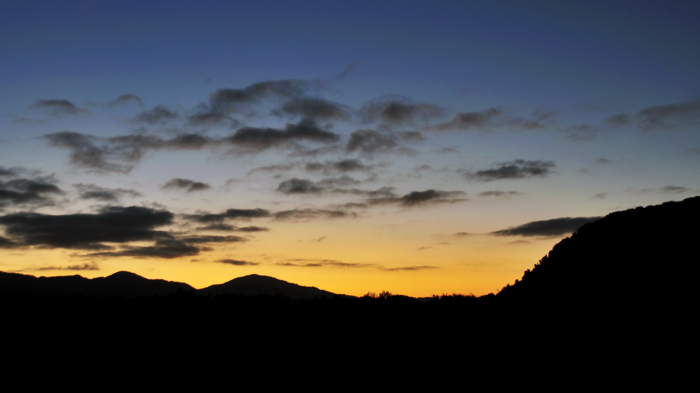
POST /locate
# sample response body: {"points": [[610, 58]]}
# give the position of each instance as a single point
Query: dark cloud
{"points": [[669, 116], [112, 224], [185, 184], [258, 139], [233, 214], [323, 263], [499, 194], [157, 115], [7, 243], [118, 154], [347, 165], [582, 132], [93, 191], [418, 198], [5, 172], [126, 99], [252, 229], [184, 142], [398, 110], [79, 267], [86, 151], [666, 190], [618, 120], [217, 227], [518, 169], [26, 192], [535, 122], [273, 168], [471, 120], [163, 248], [211, 119], [237, 263], [233, 100], [409, 268], [553, 227], [310, 214], [211, 239], [413, 136], [246, 213], [313, 108], [329, 185], [59, 108], [298, 186], [370, 141]]}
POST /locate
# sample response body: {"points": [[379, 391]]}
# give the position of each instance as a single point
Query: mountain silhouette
{"points": [[120, 284], [642, 257], [254, 284]]}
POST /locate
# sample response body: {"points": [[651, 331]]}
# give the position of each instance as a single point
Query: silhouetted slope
{"points": [[638, 257], [120, 284], [254, 284]]}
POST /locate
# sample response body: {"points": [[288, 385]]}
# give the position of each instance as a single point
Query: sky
{"points": [[416, 147]]}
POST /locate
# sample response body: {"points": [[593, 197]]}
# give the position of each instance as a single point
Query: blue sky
{"points": [[384, 144]]}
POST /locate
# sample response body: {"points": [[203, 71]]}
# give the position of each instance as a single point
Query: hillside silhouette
{"points": [[619, 291], [254, 284], [637, 257]]}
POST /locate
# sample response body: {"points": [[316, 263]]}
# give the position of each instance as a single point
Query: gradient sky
{"points": [[419, 147]]}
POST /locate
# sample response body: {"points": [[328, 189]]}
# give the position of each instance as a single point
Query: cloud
{"points": [[499, 194], [310, 214], [59, 108], [517, 169], [298, 186], [163, 248], [257, 139], [113, 224], [313, 108], [582, 132], [7, 243], [346, 165], [157, 115], [415, 198], [93, 191], [185, 184], [323, 263], [553, 227], [426, 197], [126, 99], [666, 190], [79, 267], [398, 110], [232, 214], [87, 153], [234, 100], [619, 120], [237, 263], [669, 116], [26, 192], [211, 119], [246, 213], [252, 229], [409, 268], [118, 154], [471, 120], [370, 141], [217, 227]]}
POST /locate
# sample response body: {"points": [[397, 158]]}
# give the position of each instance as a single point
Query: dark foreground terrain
{"points": [[618, 295]]}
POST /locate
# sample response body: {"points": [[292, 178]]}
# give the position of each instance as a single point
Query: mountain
{"points": [[120, 284], [264, 285], [638, 258]]}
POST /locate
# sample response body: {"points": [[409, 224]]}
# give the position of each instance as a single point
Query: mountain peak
{"points": [[255, 284]]}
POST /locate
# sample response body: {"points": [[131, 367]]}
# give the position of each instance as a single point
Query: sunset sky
{"points": [[419, 147]]}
